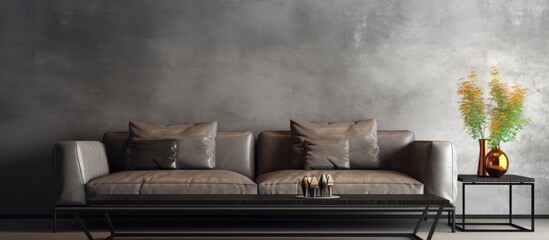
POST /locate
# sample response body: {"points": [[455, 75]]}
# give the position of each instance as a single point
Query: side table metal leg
{"points": [[463, 207], [435, 222], [532, 206], [510, 203]]}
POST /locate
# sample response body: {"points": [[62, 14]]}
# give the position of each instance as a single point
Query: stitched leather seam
{"points": [[140, 187], [175, 183], [338, 183]]}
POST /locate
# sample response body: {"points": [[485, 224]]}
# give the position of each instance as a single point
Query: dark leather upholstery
{"points": [[362, 136], [327, 154], [433, 163], [196, 141], [116, 144], [346, 182], [75, 164], [275, 149], [394, 149], [234, 151], [172, 182], [83, 164], [152, 154]]}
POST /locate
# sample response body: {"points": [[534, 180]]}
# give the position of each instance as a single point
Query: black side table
{"points": [[507, 180]]}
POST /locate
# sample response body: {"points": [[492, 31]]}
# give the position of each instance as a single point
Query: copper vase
{"points": [[496, 162], [483, 150]]}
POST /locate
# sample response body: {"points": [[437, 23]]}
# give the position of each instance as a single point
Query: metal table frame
{"points": [[108, 209], [486, 181]]}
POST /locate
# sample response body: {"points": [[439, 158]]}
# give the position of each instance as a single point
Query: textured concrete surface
{"points": [[75, 69]]}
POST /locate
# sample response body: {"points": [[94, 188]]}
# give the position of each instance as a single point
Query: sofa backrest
{"points": [[274, 150], [233, 151]]}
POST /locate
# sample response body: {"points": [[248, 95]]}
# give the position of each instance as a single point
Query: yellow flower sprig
{"points": [[504, 114], [471, 105]]}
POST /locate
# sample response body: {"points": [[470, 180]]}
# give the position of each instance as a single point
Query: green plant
{"points": [[503, 115], [471, 105]]}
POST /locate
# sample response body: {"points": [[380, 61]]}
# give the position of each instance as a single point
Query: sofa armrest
{"points": [[74, 164], [434, 164]]}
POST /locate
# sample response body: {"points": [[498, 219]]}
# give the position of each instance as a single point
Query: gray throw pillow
{"points": [[362, 135], [196, 142], [327, 154], [152, 154]]}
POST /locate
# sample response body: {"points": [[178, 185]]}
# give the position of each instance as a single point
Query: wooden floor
{"points": [[14, 229]]}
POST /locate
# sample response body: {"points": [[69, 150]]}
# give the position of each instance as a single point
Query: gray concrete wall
{"points": [[75, 69]]}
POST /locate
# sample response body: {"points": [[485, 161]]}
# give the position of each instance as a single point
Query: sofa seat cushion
{"points": [[346, 182], [172, 182]]}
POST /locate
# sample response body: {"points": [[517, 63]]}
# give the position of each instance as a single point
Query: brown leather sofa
{"points": [[84, 169], [407, 167]]}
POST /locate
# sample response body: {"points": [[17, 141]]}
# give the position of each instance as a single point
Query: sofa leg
{"points": [[54, 221], [454, 221]]}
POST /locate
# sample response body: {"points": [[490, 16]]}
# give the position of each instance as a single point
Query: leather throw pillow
{"points": [[327, 154], [362, 135], [152, 154], [196, 142]]}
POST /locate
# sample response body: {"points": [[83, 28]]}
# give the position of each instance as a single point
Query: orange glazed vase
{"points": [[496, 162]]}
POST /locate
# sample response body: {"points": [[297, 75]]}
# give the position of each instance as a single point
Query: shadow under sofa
{"points": [[84, 169]]}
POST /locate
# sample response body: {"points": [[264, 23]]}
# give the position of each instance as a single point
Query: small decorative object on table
{"points": [[330, 184], [323, 184], [313, 188], [496, 162], [305, 186], [503, 116]]}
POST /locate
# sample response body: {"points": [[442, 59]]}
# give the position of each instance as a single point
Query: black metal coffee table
{"points": [[107, 204]]}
